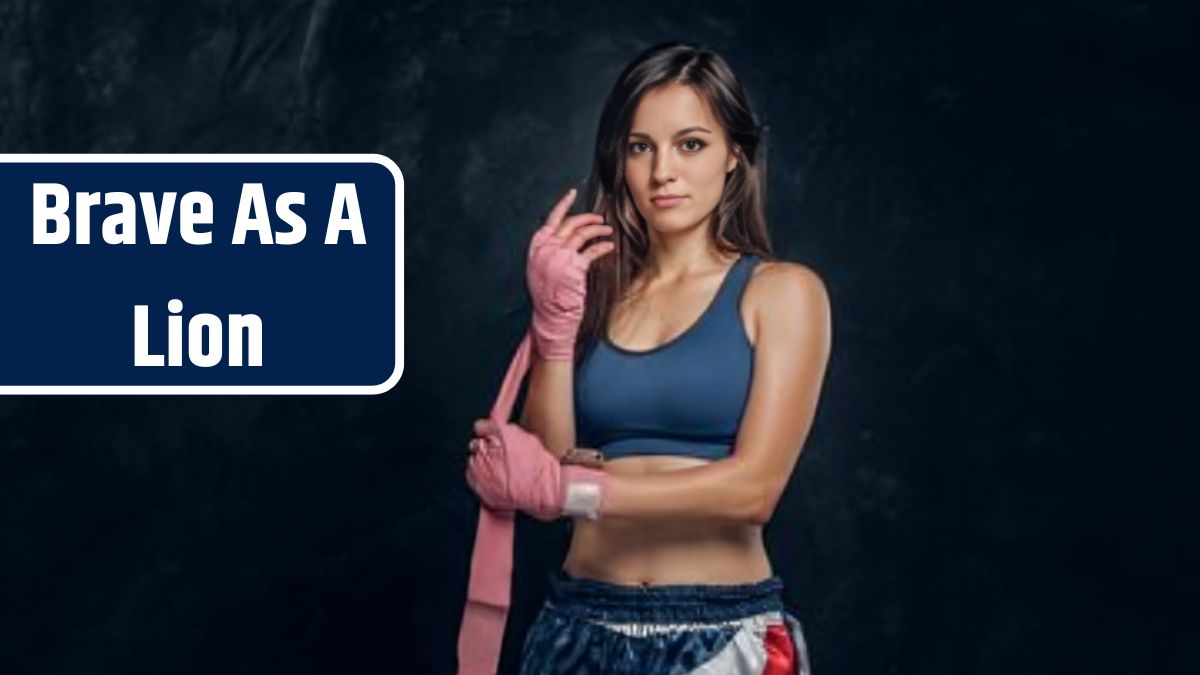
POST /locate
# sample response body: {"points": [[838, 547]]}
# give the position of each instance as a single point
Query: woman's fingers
{"points": [[571, 224], [560, 209], [584, 234], [596, 250], [485, 426]]}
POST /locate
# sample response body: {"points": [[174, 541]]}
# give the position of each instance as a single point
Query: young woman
{"points": [[670, 344]]}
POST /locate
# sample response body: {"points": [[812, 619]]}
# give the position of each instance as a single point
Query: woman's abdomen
{"points": [[665, 550]]}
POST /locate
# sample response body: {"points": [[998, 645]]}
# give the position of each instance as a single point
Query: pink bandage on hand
{"points": [[556, 271], [513, 471], [557, 279]]}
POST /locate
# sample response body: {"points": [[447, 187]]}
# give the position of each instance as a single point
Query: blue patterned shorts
{"points": [[590, 627]]}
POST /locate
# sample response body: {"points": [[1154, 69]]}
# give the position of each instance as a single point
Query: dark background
{"points": [[1000, 197]]}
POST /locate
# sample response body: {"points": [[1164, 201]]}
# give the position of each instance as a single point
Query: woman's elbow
{"points": [[757, 505], [748, 494], [762, 511], [748, 506]]}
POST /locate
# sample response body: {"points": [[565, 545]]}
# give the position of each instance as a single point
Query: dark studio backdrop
{"points": [[1000, 197]]}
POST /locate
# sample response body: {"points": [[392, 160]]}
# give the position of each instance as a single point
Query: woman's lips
{"points": [[666, 202]]}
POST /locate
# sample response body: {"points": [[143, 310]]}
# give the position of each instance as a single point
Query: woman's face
{"points": [[676, 147]]}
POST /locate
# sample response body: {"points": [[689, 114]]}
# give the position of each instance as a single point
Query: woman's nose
{"points": [[663, 171]]}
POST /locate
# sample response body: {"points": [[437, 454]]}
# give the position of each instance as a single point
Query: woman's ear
{"points": [[734, 158]]}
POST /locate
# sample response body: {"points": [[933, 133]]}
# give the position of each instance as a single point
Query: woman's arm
{"points": [[556, 271], [792, 345], [549, 409]]}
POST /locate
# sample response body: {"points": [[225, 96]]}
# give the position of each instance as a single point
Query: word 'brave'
{"points": [[195, 208]]}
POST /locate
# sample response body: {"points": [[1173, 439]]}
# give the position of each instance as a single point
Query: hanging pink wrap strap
{"points": [[490, 588]]}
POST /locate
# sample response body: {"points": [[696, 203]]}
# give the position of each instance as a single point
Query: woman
{"points": [[670, 344]]}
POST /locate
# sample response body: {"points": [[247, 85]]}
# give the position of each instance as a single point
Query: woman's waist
{"points": [[597, 599], [647, 553]]}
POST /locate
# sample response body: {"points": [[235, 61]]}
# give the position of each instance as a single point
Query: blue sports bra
{"points": [[684, 397]]}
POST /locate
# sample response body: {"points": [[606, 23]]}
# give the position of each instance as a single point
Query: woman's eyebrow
{"points": [[681, 132]]}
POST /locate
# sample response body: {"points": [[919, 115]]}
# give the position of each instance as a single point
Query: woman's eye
{"points": [[689, 144]]}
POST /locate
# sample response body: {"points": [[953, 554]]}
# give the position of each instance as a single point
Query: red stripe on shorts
{"points": [[781, 653]]}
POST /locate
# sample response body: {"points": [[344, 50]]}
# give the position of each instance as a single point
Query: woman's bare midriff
{"points": [[665, 551]]}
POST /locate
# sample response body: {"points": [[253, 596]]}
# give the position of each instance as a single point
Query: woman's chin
{"points": [[670, 223], [665, 230]]}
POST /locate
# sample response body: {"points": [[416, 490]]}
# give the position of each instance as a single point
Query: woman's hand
{"points": [[556, 272], [510, 470]]}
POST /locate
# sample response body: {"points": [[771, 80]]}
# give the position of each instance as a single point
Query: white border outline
{"points": [[212, 158]]}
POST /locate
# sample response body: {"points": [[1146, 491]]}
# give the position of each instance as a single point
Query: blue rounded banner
{"points": [[201, 274]]}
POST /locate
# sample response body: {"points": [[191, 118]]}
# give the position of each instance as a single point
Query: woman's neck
{"points": [[681, 255]]}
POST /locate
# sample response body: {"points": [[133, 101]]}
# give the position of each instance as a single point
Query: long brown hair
{"points": [[739, 221]]}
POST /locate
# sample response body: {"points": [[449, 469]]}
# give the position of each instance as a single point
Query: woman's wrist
{"points": [[583, 491], [553, 343]]}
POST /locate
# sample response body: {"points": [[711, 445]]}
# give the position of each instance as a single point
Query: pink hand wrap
{"points": [[513, 471], [557, 278], [516, 473]]}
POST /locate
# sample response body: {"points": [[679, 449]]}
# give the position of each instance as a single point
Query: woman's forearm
{"points": [[731, 490], [549, 410]]}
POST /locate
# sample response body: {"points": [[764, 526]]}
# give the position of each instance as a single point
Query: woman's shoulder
{"points": [[781, 288], [783, 280]]}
